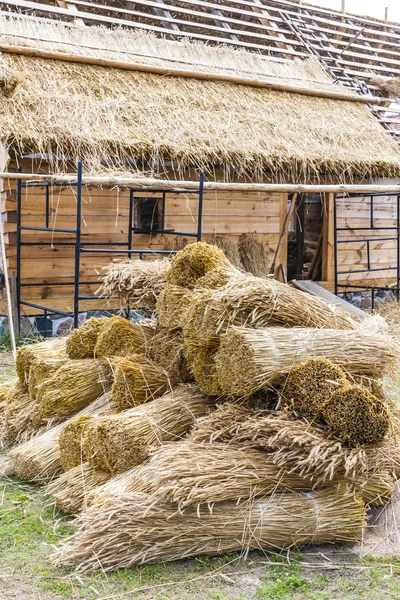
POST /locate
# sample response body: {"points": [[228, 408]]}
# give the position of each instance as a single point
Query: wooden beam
{"points": [[74, 12], [328, 240]]}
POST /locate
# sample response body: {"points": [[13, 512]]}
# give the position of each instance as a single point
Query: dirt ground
{"points": [[30, 528]]}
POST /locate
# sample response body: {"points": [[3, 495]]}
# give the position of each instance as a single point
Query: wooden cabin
{"points": [[234, 117]]}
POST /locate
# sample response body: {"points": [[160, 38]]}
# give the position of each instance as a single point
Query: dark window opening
{"points": [[147, 214]]}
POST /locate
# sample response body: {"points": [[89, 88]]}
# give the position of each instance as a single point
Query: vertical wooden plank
{"points": [[283, 251], [300, 215], [328, 240]]}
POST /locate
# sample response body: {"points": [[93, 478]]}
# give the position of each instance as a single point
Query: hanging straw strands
{"points": [[26, 354], [118, 442], [38, 460], [119, 337], [137, 379], [73, 386], [68, 492], [137, 283], [252, 359], [193, 262], [133, 529], [81, 343]]}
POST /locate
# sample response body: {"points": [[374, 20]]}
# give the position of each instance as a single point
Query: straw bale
{"points": [[74, 385], [132, 529], [70, 442], [193, 262], [120, 337], [253, 255], [54, 348], [68, 492], [309, 385], [252, 359], [119, 442], [82, 341], [137, 283], [166, 348], [38, 460], [137, 379], [230, 248], [355, 416], [172, 304], [201, 362], [43, 368]]}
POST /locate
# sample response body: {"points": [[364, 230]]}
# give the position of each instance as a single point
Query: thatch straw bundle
{"points": [[119, 337], [171, 306], [133, 529], [230, 248], [201, 363], [73, 386], [68, 492], [137, 379], [26, 354], [137, 283], [166, 349], [119, 442], [252, 359], [17, 419], [82, 341], [355, 416], [38, 460], [217, 278], [43, 368], [70, 442], [194, 261], [253, 255]]}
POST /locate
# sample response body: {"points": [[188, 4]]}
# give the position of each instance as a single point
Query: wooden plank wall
{"points": [[105, 219], [353, 213]]}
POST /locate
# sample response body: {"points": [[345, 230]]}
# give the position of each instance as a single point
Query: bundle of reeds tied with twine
{"points": [[252, 255], [166, 349], [137, 379], [120, 337], [68, 492], [193, 262], [230, 248], [118, 442], [252, 359], [38, 460], [42, 368], [54, 348], [137, 283], [81, 343], [131, 529], [73, 386]]}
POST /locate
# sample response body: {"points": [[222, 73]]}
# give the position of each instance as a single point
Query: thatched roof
{"points": [[106, 114]]}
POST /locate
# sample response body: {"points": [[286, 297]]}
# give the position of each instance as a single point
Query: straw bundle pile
{"points": [[194, 261], [253, 256], [26, 354], [171, 306], [17, 415], [38, 460], [42, 368], [82, 341], [70, 442], [68, 492], [133, 529], [217, 278], [201, 363], [230, 248], [119, 442], [137, 283], [73, 386], [252, 359], [119, 337], [166, 348], [137, 379]]}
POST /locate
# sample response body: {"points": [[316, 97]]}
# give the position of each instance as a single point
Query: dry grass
{"points": [[193, 262], [230, 248], [252, 359], [82, 341], [137, 379], [43, 368], [137, 283], [253, 255], [201, 362], [166, 349], [26, 355], [70, 442], [17, 421], [391, 312], [38, 460], [119, 442], [172, 304], [119, 337], [132, 529]]}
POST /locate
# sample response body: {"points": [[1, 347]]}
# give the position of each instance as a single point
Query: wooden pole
{"points": [[174, 72], [284, 232], [8, 293]]}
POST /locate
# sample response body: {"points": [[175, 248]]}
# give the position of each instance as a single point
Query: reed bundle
{"points": [[166, 349], [220, 424], [74, 385], [43, 368], [68, 492], [119, 442], [172, 304], [26, 354], [70, 442], [132, 529], [38, 460], [230, 248], [216, 278], [137, 379], [137, 283], [194, 261], [253, 255], [201, 363], [252, 359], [17, 415], [82, 341], [120, 337]]}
